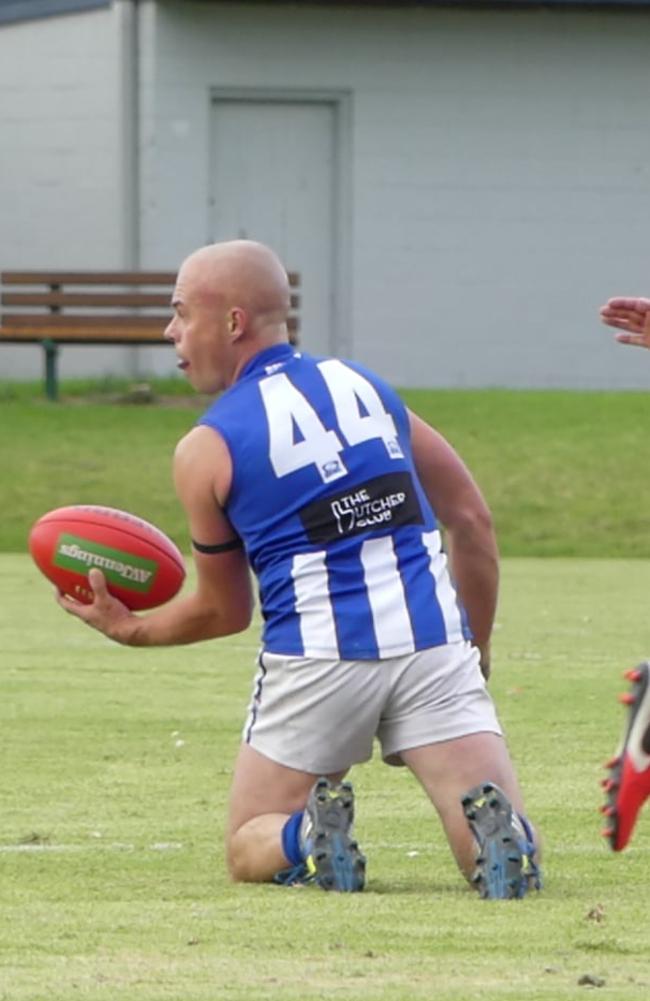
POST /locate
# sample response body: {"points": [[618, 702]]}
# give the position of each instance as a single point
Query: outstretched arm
{"points": [[222, 601], [459, 504], [632, 316]]}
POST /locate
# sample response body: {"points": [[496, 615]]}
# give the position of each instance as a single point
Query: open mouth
{"points": [[182, 364]]}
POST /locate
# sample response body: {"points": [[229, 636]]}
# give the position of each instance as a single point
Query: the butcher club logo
{"points": [[384, 502]]}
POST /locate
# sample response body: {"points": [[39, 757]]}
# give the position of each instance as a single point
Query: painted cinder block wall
{"points": [[498, 174], [62, 184]]}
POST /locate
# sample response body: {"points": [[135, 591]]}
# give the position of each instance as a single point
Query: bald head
{"points": [[231, 301], [244, 274]]}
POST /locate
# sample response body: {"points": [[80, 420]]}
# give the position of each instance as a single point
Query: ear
{"points": [[236, 322]]}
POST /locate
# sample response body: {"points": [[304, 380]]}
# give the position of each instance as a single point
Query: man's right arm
{"points": [[222, 601]]}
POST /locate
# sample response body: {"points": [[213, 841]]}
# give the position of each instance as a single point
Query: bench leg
{"points": [[51, 382]]}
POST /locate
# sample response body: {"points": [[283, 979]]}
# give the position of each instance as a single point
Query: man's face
{"points": [[199, 332]]}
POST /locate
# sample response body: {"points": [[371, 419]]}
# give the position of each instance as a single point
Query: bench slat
{"points": [[102, 278], [83, 335], [129, 329], [52, 321], [88, 278], [134, 300]]}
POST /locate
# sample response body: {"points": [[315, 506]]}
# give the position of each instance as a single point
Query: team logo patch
{"points": [[384, 502]]}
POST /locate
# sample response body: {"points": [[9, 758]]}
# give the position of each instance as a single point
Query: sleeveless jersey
{"points": [[336, 525]]}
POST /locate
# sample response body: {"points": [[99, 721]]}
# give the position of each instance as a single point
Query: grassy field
{"points": [[565, 473], [116, 763]]}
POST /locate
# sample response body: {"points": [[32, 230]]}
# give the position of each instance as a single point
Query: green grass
{"points": [[113, 884], [108, 388], [120, 456], [116, 763], [565, 473]]}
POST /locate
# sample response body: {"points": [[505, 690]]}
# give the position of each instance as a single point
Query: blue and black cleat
{"points": [[505, 866], [332, 858]]}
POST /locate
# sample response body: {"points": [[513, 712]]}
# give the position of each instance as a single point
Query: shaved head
{"points": [[241, 273], [231, 301]]}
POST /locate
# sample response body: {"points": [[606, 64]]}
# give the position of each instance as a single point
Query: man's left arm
{"points": [[462, 510]]}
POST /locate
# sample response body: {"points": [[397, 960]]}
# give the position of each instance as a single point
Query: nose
{"points": [[169, 331]]}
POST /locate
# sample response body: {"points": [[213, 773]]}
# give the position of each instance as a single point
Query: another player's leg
{"points": [[291, 826], [628, 784], [471, 782]]}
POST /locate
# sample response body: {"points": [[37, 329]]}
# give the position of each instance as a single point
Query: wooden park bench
{"points": [[52, 308]]}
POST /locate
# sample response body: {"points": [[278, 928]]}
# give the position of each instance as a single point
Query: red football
{"points": [[143, 568]]}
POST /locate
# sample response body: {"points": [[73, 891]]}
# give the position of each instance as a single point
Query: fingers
{"points": [[97, 583], [631, 316], [630, 324], [627, 303], [105, 613], [90, 612], [636, 340], [614, 315], [484, 652]]}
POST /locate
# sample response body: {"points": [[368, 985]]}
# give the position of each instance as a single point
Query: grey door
{"points": [[273, 179]]}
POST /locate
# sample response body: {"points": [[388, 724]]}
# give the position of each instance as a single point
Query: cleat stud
{"points": [[627, 698], [613, 762], [608, 832], [633, 674]]}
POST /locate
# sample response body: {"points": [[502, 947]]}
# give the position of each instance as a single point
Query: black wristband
{"points": [[221, 547]]}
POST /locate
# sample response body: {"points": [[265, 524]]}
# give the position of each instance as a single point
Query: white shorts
{"points": [[321, 716]]}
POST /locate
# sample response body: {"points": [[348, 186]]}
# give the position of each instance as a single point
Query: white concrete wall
{"points": [[500, 173], [499, 168], [61, 185]]}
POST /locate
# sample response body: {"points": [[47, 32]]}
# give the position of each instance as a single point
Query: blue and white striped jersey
{"points": [[335, 522]]}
